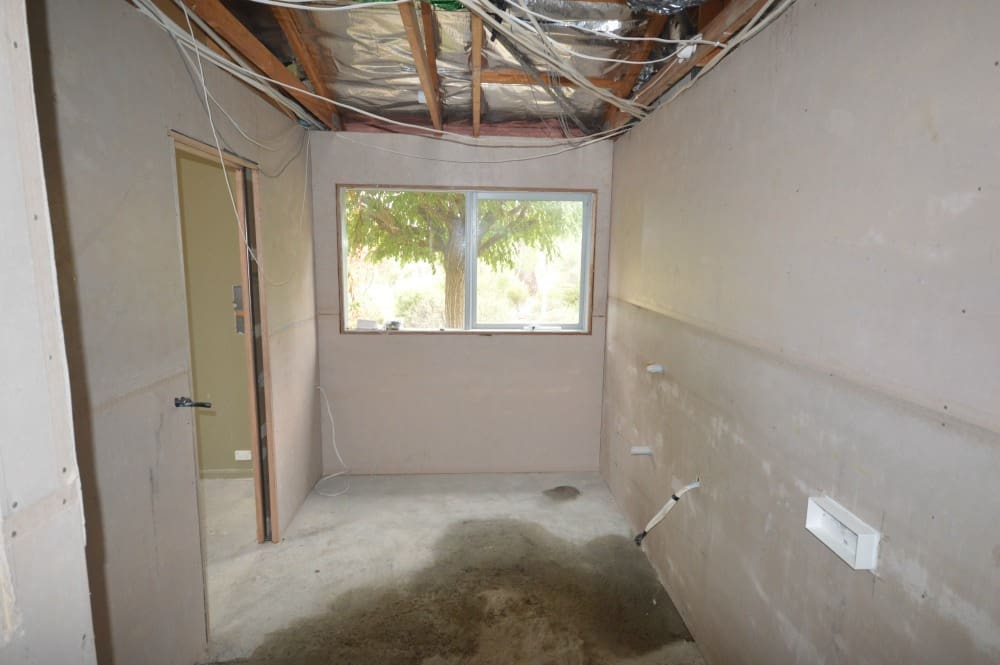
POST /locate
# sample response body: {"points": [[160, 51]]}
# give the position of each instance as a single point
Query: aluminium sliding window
{"points": [[443, 260]]}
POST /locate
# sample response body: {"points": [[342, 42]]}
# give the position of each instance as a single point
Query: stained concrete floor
{"points": [[439, 570]]}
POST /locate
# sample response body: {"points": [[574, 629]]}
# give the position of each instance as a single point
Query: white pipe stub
{"points": [[655, 368], [671, 502], [641, 450]]}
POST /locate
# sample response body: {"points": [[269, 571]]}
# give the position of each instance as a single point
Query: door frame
{"points": [[247, 194]]}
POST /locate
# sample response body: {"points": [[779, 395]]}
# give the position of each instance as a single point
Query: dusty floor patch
{"points": [[562, 493], [500, 592]]}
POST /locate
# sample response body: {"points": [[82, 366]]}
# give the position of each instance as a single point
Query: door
{"points": [[216, 207]]}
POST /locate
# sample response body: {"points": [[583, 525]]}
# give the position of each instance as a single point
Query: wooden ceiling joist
{"points": [[292, 28], [240, 38], [654, 28], [733, 16], [430, 42], [477, 74], [409, 15]]}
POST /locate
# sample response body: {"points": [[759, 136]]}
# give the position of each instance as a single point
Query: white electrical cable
{"points": [[748, 31], [236, 57], [487, 11], [249, 76], [165, 23], [535, 27], [658, 517], [508, 160], [575, 25], [186, 40], [218, 147], [226, 113], [487, 15], [300, 227], [346, 470]]}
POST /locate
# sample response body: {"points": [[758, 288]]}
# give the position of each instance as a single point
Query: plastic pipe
{"points": [[675, 497]]}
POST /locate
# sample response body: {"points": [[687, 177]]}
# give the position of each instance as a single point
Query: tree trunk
{"points": [[454, 280]]}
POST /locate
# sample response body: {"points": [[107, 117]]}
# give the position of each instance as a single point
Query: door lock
{"points": [[187, 401]]}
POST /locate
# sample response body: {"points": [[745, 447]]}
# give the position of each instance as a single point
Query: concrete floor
{"points": [[438, 570]]}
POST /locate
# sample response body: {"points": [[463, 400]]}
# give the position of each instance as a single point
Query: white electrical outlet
{"points": [[243, 456], [839, 529]]}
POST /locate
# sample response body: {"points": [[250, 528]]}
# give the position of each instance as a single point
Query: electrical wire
{"points": [[300, 226], [180, 37], [537, 47], [555, 91], [575, 25], [240, 225], [658, 517], [487, 15], [245, 74], [249, 75], [341, 136], [535, 27], [345, 470], [218, 146], [187, 40], [190, 66], [754, 26]]}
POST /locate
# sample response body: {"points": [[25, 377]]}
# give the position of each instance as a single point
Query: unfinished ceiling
{"points": [[553, 68]]}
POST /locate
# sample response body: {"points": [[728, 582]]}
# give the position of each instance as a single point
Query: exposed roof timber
{"points": [[241, 39], [654, 28], [293, 32], [176, 15], [409, 14], [735, 15], [518, 77], [430, 42], [709, 10], [706, 13], [477, 73]]}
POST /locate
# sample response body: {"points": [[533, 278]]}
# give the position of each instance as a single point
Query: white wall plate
{"points": [[843, 532]]}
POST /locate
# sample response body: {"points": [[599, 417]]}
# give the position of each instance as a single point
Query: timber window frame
{"points": [[582, 324]]}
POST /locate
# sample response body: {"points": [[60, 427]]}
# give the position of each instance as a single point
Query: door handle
{"points": [[187, 401]]}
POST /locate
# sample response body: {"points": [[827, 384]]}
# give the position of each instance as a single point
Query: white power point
{"points": [[843, 532], [243, 456]]}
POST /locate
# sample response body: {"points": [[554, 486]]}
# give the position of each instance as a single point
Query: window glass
{"points": [[461, 260], [530, 262]]}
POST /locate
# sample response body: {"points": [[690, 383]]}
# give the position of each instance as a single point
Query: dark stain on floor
{"points": [[499, 592], [562, 493]]}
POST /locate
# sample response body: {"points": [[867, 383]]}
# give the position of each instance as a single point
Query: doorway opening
{"points": [[218, 214]]}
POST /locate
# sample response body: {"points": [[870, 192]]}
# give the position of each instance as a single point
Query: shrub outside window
{"points": [[443, 260]]}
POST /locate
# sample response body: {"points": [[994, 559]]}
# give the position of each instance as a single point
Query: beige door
{"points": [[214, 231], [213, 273]]}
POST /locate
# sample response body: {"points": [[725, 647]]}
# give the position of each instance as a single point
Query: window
{"points": [[407, 262]]}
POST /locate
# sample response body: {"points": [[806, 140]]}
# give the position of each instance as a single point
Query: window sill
{"points": [[483, 332]]}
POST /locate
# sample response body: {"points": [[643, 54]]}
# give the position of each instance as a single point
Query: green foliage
{"points": [[409, 226], [505, 226], [420, 309], [424, 226]]}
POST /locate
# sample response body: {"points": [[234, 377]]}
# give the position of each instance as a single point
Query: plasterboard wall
{"points": [[44, 599], [807, 240], [111, 86], [456, 403]]}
